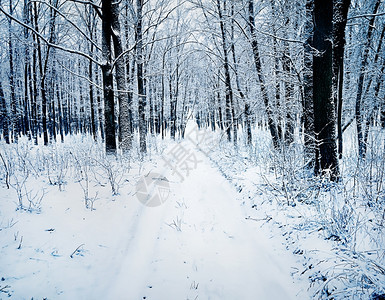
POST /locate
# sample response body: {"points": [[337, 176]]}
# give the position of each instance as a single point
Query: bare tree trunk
{"points": [[277, 84], [364, 63], [14, 104], [307, 105], [241, 94], [100, 107], [140, 78], [27, 74], [91, 26], [173, 104], [52, 114], [218, 95], [42, 71], [59, 97], [163, 96], [229, 91], [151, 99], [92, 99], [130, 73], [54, 77], [108, 92], [261, 78], [124, 115], [341, 9], [379, 80], [34, 95], [33, 88], [248, 123], [4, 117], [324, 111], [289, 97]]}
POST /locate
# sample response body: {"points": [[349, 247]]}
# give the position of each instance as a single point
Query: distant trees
{"points": [[138, 68]]}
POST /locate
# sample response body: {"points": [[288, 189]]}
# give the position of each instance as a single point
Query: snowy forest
{"points": [[192, 149]]}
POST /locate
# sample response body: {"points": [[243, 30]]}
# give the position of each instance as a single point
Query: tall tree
{"points": [[307, 102], [14, 102], [324, 111], [27, 72], [43, 64], [341, 8], [108, 84], [287, 67], [360, 85], [120, 75], [229, 91], [4, 119], [258, 65], [140, 76]]}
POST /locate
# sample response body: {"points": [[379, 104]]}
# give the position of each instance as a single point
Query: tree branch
{"points": [[366, 16], [38, 34], [69, 21]]}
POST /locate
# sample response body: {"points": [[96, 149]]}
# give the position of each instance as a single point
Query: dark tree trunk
{"points": [[53, 106], [163, 125], [92, 100], [289, 97], [173, 104], [100, 107], [34, 95], [130, 74], [218, 95], [324, 111], [4, 118], [248, 124], [27, 74], [59, 97], [120, 72], [277, 82], [237, 81], [229, 91], [140, 78], [90, 25], [42, 71], [14, 104], [108, 92], [151, 100], [341, 8]]}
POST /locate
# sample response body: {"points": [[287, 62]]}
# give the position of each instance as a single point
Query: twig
{"points": [[21, 241], [72, 255], [2, 289], [267, 219], [6, 170]]}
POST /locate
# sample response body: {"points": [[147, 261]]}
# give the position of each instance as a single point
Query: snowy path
{"points": [[197, 245], [216, 254]]}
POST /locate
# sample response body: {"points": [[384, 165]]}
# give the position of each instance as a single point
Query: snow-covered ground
{"points": [[221, 224], [198, 244]]}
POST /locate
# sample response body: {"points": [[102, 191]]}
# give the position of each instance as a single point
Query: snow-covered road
{"points": [[198, 245]]}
